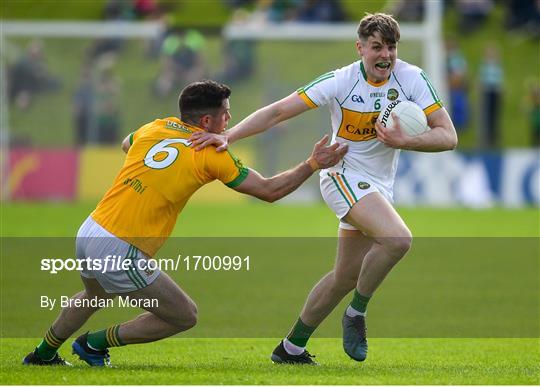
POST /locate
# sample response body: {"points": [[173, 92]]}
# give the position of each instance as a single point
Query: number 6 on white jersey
{"points": [[164, 146]]}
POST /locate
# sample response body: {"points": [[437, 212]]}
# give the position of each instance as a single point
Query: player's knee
{"points": [[186, 318], [192, 315], [400, 244]]}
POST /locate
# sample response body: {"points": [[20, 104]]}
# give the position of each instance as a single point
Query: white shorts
{"points": [[341, 191], [118, 266]]}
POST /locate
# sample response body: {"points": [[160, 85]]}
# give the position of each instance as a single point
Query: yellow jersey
{"points": [[159, 175]]}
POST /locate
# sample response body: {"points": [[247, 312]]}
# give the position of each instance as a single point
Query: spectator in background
{"points": [[124, 10], [472, 13], [235, 4], [238, 55], [524, 15], [239, 61], [534, 111], [144, 9], [29, 76], [456, 67], [105, 46], [309, 11], [107, 111], [118, 10], [155, 44], [96, 102], [181, 61], [278, 10], [114, 10], [320, 11], [411, 10], [491, 85], [83, 102]]}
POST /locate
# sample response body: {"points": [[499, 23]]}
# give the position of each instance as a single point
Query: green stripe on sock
{"points": [[116, 333], [113, 339], [360, 302], [300, 333], [105, 338], [48, 347]]}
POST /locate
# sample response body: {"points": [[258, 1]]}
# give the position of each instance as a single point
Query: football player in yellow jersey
{"points": [[160, 173]]}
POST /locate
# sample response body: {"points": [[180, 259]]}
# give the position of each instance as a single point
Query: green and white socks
{"points": [[296, 340], [358, 305]]}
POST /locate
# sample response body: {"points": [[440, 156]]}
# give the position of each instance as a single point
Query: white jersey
{"points": [[355, 103]]}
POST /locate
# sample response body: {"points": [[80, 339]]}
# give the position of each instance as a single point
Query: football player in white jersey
{"points": [[372, 235]]}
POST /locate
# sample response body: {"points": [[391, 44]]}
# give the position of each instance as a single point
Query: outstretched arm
{"points": [[280, 185], [256, 122]]}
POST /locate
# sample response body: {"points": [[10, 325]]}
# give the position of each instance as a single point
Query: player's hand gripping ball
{"points": [[411, 117]]}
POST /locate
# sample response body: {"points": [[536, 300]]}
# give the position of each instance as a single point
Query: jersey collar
{"points": [[187, 126], [364, 74], [190, 127]]}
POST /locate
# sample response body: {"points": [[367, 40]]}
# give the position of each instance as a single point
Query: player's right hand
{"points": [[394, 137], [200, 140], [324, 156]]}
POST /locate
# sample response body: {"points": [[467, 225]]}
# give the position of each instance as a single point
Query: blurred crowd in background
{"points": [[179, 51]]}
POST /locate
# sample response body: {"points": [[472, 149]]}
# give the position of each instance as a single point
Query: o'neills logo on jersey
{"points": [[357, 126], [387, 111]]}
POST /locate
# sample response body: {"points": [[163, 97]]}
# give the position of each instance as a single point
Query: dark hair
{"points": [[201, 98], [382, 23]]}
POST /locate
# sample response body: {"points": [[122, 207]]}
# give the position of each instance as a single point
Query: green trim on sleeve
{"points": [[237, 162], [131, 138], [430, 87], [318, 80], [239, 179], [243, 171]]}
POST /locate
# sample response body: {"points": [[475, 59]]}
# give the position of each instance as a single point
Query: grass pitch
{"points": [[197, 360], [270, 220], [246, 361]]}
